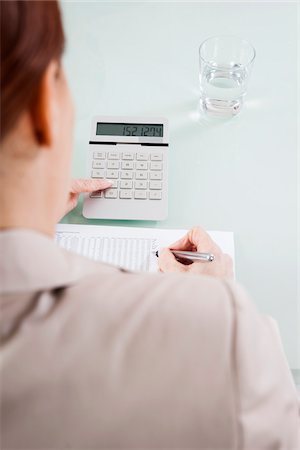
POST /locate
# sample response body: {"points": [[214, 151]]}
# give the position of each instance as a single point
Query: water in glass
{"points": [[222, 89]]}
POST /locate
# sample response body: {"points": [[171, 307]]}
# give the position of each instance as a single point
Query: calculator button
{"points": [[139, 175], [125, 184], [114, 184], [128, 155], [126, 175], [112, 164], [155, 195], [155, 176], [98, 164], [96, 194], [113, 155], [156, 157], [99, 155], [141, 165], [155, 185], [127, 165], [125, 194], [142, 156], [142, 195], [112, 174], [141, 184], [155, 166], [111, 193], [97, 173]]}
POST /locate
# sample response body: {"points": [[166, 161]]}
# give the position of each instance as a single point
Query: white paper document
{"points": [[127, 247]]}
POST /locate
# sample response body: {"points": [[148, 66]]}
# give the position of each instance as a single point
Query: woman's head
{"points": [[31, 37], [36, 106]]}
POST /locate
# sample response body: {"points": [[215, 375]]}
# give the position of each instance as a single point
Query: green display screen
{"points": [[129, 129]]}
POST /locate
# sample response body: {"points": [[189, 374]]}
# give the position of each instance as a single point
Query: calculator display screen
{"points": [[129, 129]]}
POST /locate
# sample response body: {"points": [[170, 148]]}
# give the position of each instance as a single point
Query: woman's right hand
{"points": [[199, 241]]}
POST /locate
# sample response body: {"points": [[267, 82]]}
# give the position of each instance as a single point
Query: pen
{"points": [[192, 256]]}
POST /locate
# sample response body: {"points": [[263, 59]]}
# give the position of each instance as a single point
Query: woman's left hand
{"points": [[79, 186]]}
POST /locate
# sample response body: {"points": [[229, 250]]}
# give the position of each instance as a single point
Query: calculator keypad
{"points": [[134, 175]]}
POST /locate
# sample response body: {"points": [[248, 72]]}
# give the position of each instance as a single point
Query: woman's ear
{"points": [[43, 108]]}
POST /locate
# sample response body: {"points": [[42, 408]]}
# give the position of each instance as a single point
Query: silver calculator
{"points": [[133, 154]]}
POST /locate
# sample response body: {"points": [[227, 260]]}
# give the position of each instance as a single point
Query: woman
{"points": [[96, 357]]}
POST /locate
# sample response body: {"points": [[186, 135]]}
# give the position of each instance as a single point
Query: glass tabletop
{"points": [[141, 59]]}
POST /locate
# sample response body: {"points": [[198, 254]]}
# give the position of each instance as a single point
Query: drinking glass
{"points": [[225, 67]]}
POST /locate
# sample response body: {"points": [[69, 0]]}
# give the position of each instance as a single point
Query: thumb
{"points": [[88, 185], [168, 263]]}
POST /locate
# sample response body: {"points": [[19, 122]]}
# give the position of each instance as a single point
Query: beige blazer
{"points": [[93, 357]]}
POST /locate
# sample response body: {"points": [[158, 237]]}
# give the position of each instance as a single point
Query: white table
{"points": [[239, 174]]}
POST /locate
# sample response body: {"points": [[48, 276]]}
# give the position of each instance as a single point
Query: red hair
{"points": [[31, 37]]}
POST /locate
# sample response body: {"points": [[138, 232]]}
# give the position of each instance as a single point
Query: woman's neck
{"points": [[26, 200]]}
